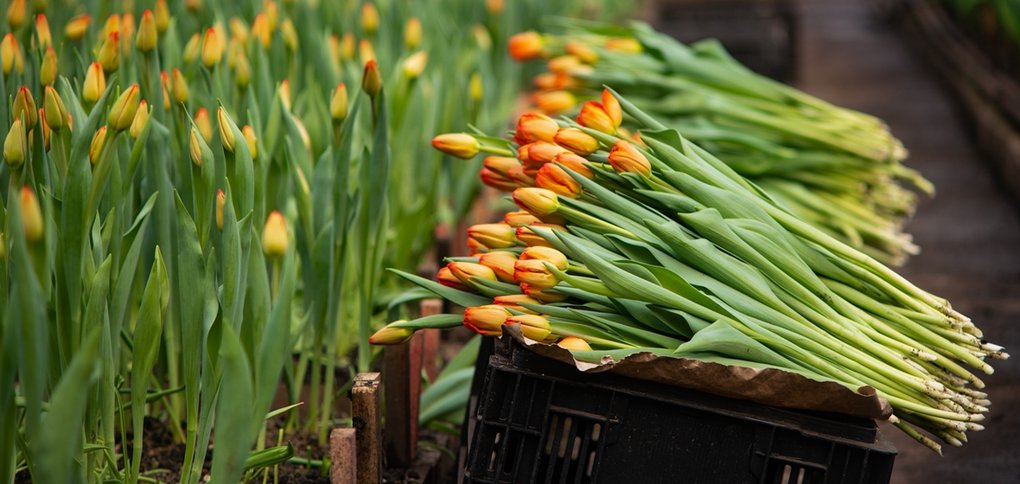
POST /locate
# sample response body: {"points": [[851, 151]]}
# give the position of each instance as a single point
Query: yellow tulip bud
{"points": [[274, 235], [112, 25], [415, 65], [9, 52], [369, 18], [486, 320], [109, 53], [226, 132], [97, 145], [162, 15], [213, 46], [390, 335], [24, 108], [45, 131], [533, 326], [122, 113], [127, 32], [77, 27], [573, 343], [537, 201], [221, 201], [482, 37], [338, 103], [534, 273], [242, 70], [164, 82], [468, 271], [179, 86], [582, 52], [494, 7], [576, 140], [16, 145], [347, 46], [42, 32], [412, 33], [250, 140], [141, 119], [461, 145], [283, 90], [532, 127], [520, 218], [289, 34], [526, 46], [238, 30], [445, 277], [371, 81], [501, 263], [516, 302], [204, 124], [148, 33], [551, 177], [31, 215], [193, 6], [493, 236], [553, 102], [195, 147], [272, 12], [475, 87], [95, 83], [191, 48], [544, 296], [625, 158], [16, 13], [365, 51], [48, 68], [260, 30]]}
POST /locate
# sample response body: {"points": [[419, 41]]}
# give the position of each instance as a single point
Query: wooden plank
{"points": [[343, 456], [402, 386], [366, 419], [430, 339]]}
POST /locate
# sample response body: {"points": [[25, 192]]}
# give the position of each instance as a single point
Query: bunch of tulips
{"points": [[839, 169], [647, 242]]}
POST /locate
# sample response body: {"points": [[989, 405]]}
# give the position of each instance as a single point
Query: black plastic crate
{"points": [[541, 421]]}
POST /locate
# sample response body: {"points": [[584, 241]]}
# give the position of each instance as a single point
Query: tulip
{"points": [[412, 33], [501, 262], [226, 131], [552, 177], [260, 30], [109, 53], [77, 27], [164, 82], [97, 145], [520, 218], [576, 164], [535, 273], [141, 119], [46, 131], [533, 326], [203, 124], [625, 158], [127, 31], [42, 32], [191, 48], [466, 271], [338, 103], [122, 113], [242, 71], [563, 64], [112, 25], [195, 147], [533, 127], [148, 34], [221, 201], [389, 335], [162, 14], [24, 108], [347, 45], [501, 165], [238, 30], [415, 65], [16, 145], [539, 202], [476, 89], [213, 46], [9, 53], [48, 68], [289, 35], [95, 83], [371, 81], [250, 140], [272, 12], [193, 6], [625, 45], [31, 215], [283, 90], [516, 301], [494, 7], [531, 239], [573, 343], [593, 115], [577, 141], [539, 153], [274, 235], [544, 296], [365, 50], [486, 320], [612, 107], [16, 13], [497, 180], [546, 254], [553, 102], [582, 52], [369, 18], [526, 46], [445, 277], [475, 247], [493, 236], [461, 145]]}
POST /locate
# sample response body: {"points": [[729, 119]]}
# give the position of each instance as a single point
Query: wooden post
{"points": [[343, 456], [430, 338], [365, 417], [402, 386]]}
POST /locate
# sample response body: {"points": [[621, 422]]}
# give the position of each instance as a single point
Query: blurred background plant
{"points": [[197, 199]]}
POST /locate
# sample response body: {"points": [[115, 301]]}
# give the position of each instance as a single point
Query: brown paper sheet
{"points": [[767, 386]]}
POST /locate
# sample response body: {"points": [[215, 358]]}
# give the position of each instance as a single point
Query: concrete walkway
{"points": [[969, 233]]}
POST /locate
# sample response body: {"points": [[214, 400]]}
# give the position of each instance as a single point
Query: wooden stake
{"points": [[365, 416], [402, 387], [430, 337], [343, 456]]}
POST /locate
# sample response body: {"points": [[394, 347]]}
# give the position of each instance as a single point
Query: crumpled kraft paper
{"points": [[767, 386]]}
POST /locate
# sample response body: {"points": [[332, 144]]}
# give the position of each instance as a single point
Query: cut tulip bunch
{"points": [[647, 242], [841, 170]]}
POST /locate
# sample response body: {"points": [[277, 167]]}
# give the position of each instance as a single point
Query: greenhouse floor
{"points": [[969, 233]]}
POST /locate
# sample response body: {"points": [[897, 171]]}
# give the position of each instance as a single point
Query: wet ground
{"points": [[969, 233]]}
